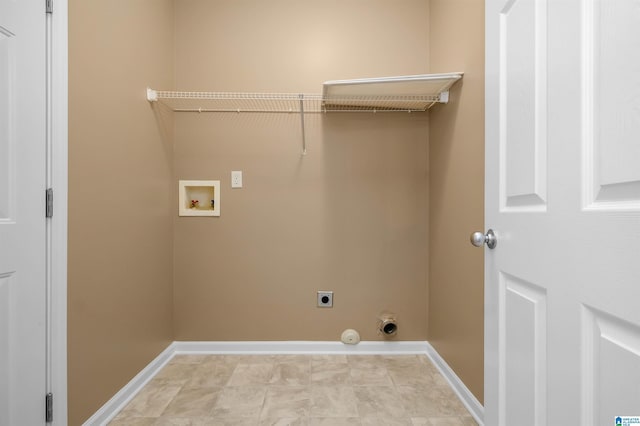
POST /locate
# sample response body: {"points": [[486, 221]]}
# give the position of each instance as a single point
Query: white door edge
{"points": [[59, 177]]}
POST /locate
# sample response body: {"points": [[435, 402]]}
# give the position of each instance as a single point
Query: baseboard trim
{"points": [[468, 399], [301, 347], [111, 408]]}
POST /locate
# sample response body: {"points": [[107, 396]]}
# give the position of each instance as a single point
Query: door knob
{"points": [[478, 239]]}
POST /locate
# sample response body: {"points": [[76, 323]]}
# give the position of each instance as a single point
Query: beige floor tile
{"points": [[436, 379], [240, 401], [236, 422], [406, 361], [370, 376], [333, 401], [452, 421], [256, 359], [151, 401], [287, 421], [330, 373], [192, 402], [221, 359], [424, 360], [290, 358], [211, 375], [188, 359], [332, 390], [328, 358], [410, 374], [186, 421], [430, 401], [365, 361], [434, 374], [381, 421], [401, 360], [291, 373], [334, 421], [251, 374], [134, 421], [286, 402], [205, 421], [168, 381], [175, 373], [379, 401]]}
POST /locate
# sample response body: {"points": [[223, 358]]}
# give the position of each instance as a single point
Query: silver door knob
{"points": [[479, 239]]}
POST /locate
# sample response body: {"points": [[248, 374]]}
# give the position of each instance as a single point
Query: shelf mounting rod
{"points": [[304, 142]]}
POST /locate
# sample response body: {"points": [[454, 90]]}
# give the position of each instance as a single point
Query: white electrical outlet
{"points": [[236, 179]]}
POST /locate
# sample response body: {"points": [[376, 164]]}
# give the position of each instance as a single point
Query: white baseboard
{"points": [[301, 347], [109, 410], [468, 399]]}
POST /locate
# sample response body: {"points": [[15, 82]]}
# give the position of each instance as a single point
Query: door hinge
{"points": [[49, 4], [49, 202], [49, 408]]}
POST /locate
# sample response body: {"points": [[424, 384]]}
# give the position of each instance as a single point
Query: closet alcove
{"points": [[412, 93], [378, 211]]}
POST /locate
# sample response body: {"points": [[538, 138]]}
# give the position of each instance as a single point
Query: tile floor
{"points": [[283, 390]]}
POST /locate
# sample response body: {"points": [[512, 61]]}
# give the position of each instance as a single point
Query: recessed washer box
{"points": [[199, 198]]}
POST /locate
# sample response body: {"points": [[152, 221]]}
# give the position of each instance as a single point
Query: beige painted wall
{"points": [[351, 216], [456, 292], [120, 181]]}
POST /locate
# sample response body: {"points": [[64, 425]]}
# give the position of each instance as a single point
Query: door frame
{"points": [[58, 136]]}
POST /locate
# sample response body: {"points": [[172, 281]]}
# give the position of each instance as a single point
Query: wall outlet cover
{"points": [[236, 179]]}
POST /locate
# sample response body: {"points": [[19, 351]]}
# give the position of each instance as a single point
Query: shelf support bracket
{"points": [[304, 142], [152, 95], [444, 97]]}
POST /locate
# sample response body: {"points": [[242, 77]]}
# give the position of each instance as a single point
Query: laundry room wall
{"points": [[120, 185], [350, 216], [456, 194]]}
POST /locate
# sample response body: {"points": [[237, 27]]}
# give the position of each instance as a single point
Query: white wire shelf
{"points": [[289, 102], [414, 93], [232, 102], [410, 92]]}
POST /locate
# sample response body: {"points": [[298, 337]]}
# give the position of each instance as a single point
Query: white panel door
{"points": [[562, 286], [22, 219]]}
